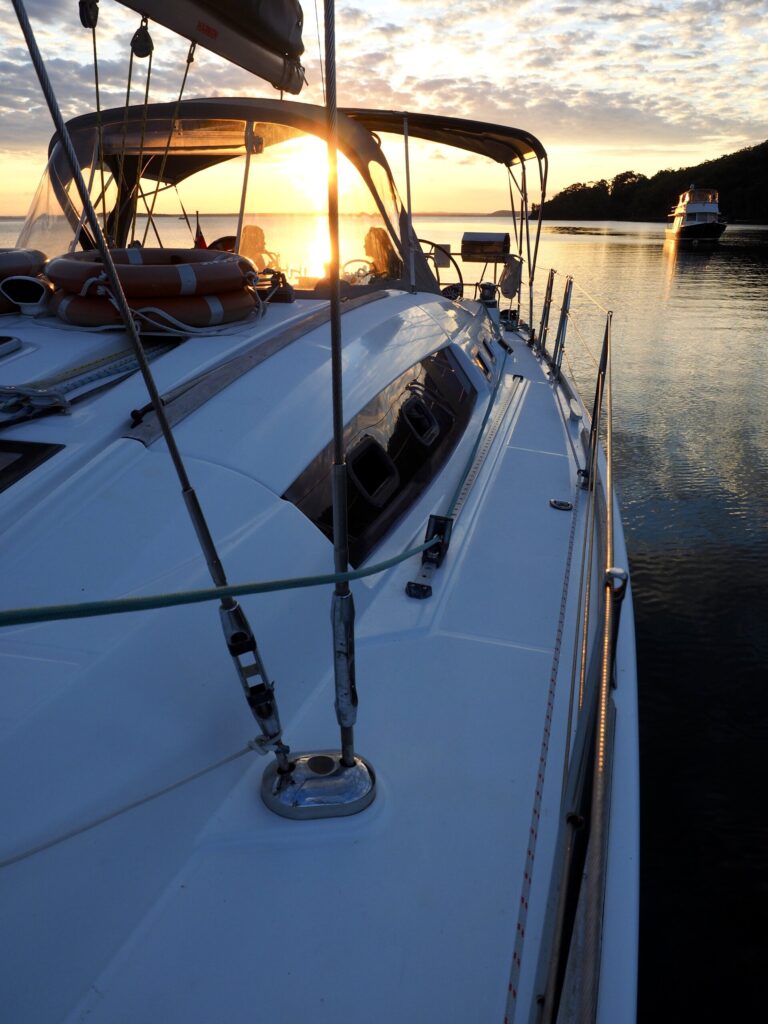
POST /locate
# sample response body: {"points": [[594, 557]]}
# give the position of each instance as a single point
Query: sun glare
{"points": [[319, 251], [291, 177], [308, 161]]}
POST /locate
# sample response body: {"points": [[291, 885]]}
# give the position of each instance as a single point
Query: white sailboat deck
{"points": [[204, 899]]}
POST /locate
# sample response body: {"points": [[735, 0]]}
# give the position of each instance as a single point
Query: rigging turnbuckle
{"points": [[259, 691]]}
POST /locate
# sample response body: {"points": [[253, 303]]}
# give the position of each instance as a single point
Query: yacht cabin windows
{"points": [[395, 446], [17, 458]]}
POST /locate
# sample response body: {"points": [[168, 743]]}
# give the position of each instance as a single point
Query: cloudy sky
{"points": [[606, 86]]}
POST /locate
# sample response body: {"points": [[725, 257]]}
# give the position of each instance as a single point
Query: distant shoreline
{"points": [[444, 216], [290, 213]]}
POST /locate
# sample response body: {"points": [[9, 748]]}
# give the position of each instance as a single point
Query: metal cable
{"points": [[196, 596], [190, 58], [518, 239], [320, 50], [591, 298], [543, 172], [186, 218], [342, 609], [104, 818], [574, 323], [121, 182], [139, 168], [100, 126], [142, 195], [190, 498]]}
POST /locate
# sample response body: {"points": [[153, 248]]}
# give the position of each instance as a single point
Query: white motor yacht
{"points": [[696, 219], [317, 645]]}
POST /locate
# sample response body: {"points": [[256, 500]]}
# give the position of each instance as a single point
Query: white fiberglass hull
{"points": [[202, 905]]}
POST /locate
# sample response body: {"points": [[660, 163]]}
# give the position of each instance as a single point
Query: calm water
{"points": [[691, 393], [691, 447]]}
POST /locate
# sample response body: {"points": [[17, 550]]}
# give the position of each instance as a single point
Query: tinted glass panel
{"points": [[17, 458], [394, 446]]}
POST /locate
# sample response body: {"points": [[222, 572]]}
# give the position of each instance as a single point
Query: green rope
{"points": [[117, 606], [121, 605]]}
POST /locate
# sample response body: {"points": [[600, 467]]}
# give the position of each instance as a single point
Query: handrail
{"points": [[605, 714], [544, 322], [581, 847], [562, 326]]}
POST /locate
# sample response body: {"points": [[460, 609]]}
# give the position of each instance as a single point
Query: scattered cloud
{"points": [[649, 79]]}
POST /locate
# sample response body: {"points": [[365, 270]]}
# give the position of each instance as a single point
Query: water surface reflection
{"points": [[691, 391]]}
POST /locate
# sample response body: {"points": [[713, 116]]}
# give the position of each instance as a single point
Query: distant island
{"points": [[739, 177]]}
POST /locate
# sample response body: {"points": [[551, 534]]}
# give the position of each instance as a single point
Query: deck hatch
{"points": [[17, 458], [395, 446]]}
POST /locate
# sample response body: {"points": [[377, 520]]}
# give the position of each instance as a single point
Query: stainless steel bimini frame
{"points": [[511, 147]]}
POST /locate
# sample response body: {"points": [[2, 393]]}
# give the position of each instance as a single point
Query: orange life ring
{"points": [[25, 262], [153, 273], [191, 310]]}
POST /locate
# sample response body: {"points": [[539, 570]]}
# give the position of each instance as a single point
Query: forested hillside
{"points": [[741, 178]]}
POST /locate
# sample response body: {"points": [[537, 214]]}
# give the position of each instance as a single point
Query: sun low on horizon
{"points": [[607, 88]]}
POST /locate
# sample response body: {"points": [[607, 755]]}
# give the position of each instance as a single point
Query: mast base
{"points": [[319, 786]]}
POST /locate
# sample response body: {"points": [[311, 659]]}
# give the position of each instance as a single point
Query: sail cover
{"points": [[262, 36]]}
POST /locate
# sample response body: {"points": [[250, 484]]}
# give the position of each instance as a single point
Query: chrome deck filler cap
{"points": [[319, 786]]}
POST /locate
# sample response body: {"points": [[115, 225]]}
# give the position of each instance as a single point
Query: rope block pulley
{"points": [[141, 43]]}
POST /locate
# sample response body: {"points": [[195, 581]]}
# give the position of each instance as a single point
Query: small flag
{"points": [[200, 242]]}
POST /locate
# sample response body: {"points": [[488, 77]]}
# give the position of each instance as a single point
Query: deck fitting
{"points": [[319, 786]]}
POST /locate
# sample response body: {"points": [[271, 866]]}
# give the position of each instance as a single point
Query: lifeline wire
{"points": [[139, 167], [194, 509], [591, 298]]}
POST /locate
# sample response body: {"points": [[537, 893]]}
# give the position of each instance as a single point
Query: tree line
{"points": [[740, 178]]}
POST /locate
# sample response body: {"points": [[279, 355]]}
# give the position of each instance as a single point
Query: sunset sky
{"points": [[607, 87]]}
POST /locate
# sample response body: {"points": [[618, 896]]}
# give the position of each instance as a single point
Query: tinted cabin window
{"points": [[394, 448], [17, 458]]}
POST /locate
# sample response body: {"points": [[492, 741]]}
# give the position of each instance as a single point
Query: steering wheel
{"points": [[434, 248], [226, 243], [365, 267]]}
